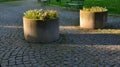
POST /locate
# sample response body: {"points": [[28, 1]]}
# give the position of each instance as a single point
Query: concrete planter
{"points": [[93, 20], [41, 31]]}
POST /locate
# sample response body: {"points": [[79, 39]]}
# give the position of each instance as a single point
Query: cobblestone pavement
{"points": [[75, 48]]}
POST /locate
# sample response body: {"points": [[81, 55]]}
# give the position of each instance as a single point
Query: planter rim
{"points": [[93, 12], [39, 19]]}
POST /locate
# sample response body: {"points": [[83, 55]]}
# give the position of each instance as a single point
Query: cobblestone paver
{"points": [[73, 49]]}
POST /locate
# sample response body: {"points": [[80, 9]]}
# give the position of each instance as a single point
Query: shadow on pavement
{"points": [[89, 39], [16, 32]]}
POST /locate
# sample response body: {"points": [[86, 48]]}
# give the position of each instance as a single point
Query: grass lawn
{"points": [[6, 0], [112, 5]]}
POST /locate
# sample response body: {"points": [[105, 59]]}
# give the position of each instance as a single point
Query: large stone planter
{"points": [[41, 31], [92, 20]]}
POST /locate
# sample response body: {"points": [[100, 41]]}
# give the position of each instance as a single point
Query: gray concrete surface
{"points": [[75, 47]]}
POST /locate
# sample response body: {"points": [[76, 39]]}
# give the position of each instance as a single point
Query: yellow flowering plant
{"points": [[95, 9], [40, 14]]}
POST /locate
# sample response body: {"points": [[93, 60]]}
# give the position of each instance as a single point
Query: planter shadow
{"points": [[89, 39], [111, 26]]}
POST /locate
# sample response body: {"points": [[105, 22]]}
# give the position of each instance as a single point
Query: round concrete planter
{"points": [[41, 31], [93, 20]]}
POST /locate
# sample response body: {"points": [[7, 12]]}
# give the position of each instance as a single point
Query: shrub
{"points": [[40, 14], [95, 9]]}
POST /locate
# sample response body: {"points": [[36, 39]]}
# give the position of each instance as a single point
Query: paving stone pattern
{"points": [[73, 49]]}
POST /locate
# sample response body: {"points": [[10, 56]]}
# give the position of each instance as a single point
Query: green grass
{"points": [[63, 3], [7, 0], [111, 5]]}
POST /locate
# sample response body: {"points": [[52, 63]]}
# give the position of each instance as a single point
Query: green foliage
{"points": [[40, 14], [50, 14], [7, 0], [95, 9], [112, 5]]}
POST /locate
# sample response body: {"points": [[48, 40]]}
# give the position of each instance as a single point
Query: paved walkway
{"points": [[75, 48]]}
